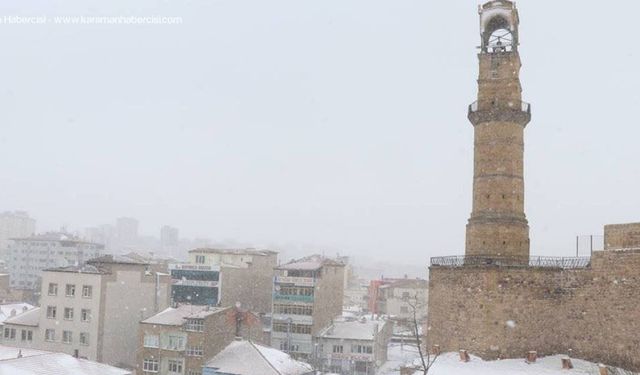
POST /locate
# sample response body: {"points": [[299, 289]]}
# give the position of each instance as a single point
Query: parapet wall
{"points": [[503, 312], [621, 236]]}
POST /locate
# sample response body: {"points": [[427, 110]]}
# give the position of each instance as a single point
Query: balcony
{"points": [[520, 113], [293, 298], [298, 281], [295, 319]]}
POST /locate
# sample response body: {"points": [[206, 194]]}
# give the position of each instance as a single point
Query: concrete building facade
{"points": [[356, 347], [28, 256], [400, 298], [224, 277], [92, 311], [179, 340], [307, 295]]}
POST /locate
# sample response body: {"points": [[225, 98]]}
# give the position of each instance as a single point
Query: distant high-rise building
{"points": [[102, 234], [169, 239], [126, 232], [28, 256], [12, 225]]}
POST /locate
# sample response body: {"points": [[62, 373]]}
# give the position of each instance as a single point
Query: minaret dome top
{"points": [[498, 26]]}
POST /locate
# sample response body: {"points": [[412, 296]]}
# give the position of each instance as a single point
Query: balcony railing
{"points": [[292, 297], [300, 281], [524, 107], [538, 261]]}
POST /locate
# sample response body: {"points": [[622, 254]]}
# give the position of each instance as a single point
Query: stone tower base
{"points": [[503, 312]]}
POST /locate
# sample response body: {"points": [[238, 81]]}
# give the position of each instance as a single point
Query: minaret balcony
{"points": [[513, 112]]}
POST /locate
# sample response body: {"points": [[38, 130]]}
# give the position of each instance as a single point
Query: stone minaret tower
{"points": [[498, 227]]}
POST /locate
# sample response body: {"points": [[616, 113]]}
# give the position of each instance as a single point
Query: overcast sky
{"points": [[334, 124]]}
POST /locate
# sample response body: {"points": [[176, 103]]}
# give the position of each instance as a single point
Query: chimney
{"points": [[566, 363]]}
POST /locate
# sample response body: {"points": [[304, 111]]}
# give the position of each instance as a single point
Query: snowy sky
{"points": [[334, 124]]}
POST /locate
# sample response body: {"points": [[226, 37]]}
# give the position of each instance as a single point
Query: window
{"points": [[84, 338], [51, 312], [195, 351], [67, 337], [68, 313], [85, 315], [196, 325], [10, 333], [289, 348], [26, 335], [361, 349], [293, 309], [200, 259], [71, 290], [87, 291], [404, 309], [151, 341], [405, 295], [150, 365], [194, 372], [53, 289], [293, 328], [175, 365], [50, 335], [338, 349], [176, 343]]}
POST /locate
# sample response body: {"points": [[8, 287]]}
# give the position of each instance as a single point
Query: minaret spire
{"points": [[498, 227]]}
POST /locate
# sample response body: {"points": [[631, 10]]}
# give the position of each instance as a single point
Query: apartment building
{"points": [[180, 339], [355, 347], [307, 295], [28, 256], [16, 224], [92, 311], [224, 277], [399, 298]]}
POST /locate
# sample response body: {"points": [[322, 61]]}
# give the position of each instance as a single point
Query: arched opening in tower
{"points": [[498, 36]]}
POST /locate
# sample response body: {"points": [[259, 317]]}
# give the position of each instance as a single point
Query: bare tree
{"points": [[426, 358]]}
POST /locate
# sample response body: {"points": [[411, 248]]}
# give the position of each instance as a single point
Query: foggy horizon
{"points": [[335, 126]]}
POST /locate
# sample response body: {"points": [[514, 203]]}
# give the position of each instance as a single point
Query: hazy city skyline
{"points": [[336, 125]]}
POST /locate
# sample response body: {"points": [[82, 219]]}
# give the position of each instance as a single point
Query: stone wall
{"points": [[621, 236], [503, 312]]}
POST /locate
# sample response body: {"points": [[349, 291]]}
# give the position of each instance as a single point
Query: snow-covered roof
{"points": [[247, 358], [56, 237], [13, 309], [37, 362], [85, 268], [175, 316], [115, 259], [310, 263], [407, 284], [363, 329], [449, 363], [28, 318], [248, 251]]}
